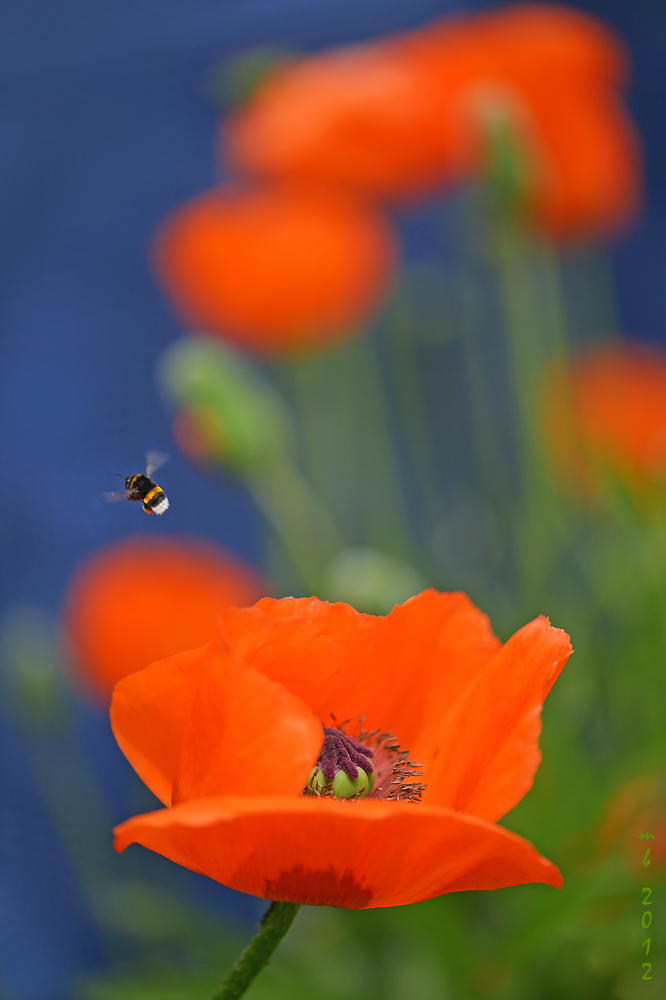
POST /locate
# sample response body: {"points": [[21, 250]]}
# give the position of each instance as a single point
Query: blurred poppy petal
{"points": [[604, 419], [358, 117], [406, 117], [324, 852], [146, 598], [278, 268]]}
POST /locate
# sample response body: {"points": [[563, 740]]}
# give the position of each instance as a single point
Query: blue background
{"points": [[105, 127]]}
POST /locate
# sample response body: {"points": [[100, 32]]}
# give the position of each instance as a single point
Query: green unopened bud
{"points": [[342, 786], [236, 414]]}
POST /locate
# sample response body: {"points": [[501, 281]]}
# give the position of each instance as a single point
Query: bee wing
{"points": [[112, 497], [154, 461]]}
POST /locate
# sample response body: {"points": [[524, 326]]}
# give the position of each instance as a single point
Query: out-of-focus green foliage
{"points": [[371, 581], [31, 668]]}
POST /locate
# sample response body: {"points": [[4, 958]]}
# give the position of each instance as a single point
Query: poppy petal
{"points": [[323, 852], [488, 752], [416, 663], [283, 641], [118, 620], [149, 712], [277, 267], [246, 735]]}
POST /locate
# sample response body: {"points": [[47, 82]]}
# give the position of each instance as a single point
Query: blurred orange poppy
{"points": [[276, 269], [555, 75], [636, 809], [146, 598], [227, 735], [361, 117], [407, 116], [604, 417]]}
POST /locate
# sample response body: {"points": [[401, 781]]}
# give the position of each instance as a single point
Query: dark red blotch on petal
{"points": [[318, 888]]}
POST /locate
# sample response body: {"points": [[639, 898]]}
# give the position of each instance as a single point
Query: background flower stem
{"points": [[299, 519], [340, 399], [278, 919], [401, 334], [530, 322]]}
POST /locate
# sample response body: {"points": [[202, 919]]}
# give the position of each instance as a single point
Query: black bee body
{"points": [[141, 488]]}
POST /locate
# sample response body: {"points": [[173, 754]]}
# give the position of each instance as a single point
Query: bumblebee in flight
{"points": [[141, 487]]}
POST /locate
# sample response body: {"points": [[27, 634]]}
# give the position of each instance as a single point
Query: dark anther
{"points": [[342, 753]]}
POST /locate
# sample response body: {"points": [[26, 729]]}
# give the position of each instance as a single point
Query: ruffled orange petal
{"points": [[487, 750], [246, 735], [149, 712], [289, 642], [323, 852], [402, 672], [415, 663]]}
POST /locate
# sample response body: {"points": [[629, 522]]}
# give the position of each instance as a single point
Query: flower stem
{"points": [[299, 519], [276, 922]]}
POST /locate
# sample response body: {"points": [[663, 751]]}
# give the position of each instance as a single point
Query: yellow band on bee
{"points": [[149, 496]]}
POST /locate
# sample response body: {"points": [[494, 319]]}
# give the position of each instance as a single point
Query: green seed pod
{"points": [[342, 786]]}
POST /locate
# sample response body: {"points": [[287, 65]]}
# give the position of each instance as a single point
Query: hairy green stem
{"points": [[278, 919]]}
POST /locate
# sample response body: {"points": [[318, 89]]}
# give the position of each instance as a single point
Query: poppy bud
{"points": [[246, 424], [342, 786]]}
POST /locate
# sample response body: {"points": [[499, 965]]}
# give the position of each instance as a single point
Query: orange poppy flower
{"points": [[556, 75], [408, 116], [604, 417], [227, 736], [360, 117], [146, 598], [276, 269]]}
